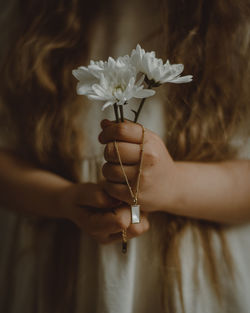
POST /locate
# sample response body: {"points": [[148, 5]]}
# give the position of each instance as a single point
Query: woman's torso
{"points": [[109, 281]]}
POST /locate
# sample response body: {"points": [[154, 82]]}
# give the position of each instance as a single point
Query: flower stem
{"points": [[141, 105], [121, 113], [139, 110], [116, 113]]}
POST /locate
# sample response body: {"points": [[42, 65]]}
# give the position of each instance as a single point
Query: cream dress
{"points": [[109, 281]]}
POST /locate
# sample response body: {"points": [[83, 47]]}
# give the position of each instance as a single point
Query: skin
{"points": [[29, 190], [213, 191]]}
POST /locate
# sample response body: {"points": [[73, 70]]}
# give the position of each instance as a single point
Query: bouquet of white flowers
{"points": [[115, 82]]}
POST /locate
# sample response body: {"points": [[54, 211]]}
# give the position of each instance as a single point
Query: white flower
{"points": [[86, 79], [112, 81], [90, 75], [156, 72]]}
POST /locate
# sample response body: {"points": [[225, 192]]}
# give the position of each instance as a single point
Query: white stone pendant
{"points": [[135, 214]]}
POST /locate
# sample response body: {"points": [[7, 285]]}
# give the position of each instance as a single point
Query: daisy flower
{"points": [[112, 81], [116, 81], [156, 71]]}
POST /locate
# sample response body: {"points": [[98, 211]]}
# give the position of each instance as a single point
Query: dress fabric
{"points": [[109, 281]]}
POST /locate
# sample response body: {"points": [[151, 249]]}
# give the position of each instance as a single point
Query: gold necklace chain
{"points": [[134, 196]]}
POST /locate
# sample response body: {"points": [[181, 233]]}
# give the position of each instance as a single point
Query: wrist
{"points": [[64, 198], [173, 199]]}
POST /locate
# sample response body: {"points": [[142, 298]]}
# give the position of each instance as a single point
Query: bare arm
{"points": [[27, 189], [216, 191], [211, 191]]}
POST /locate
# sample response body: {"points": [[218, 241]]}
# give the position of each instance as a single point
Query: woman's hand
{"points": [[217, 191], [159, 171], [30, 190], [99, 215]]}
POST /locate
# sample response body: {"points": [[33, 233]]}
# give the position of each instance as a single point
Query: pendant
{"points": [[135, 214]]}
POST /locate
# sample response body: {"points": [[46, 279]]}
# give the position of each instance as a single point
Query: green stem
{"points": [[141, 105], [116, 112], [121, 113]]}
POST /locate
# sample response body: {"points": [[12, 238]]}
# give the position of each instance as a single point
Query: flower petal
{"points": [[144, 93], [99, 90], [140, 81], [83, 74], [83, 89], [95, 97], [107, 104], [181, 79], [122, 101]]}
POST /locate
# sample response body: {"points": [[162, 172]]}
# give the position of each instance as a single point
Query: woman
{"points": [[180, 264]]}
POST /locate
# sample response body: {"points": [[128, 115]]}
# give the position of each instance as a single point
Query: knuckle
{"points": [[100, 199], [137, 230], [152, 156], [122, 221], [115, 170], [105, 170], [121, 130], [145, 177], [109, 152], [110, 171], [116, 190]]}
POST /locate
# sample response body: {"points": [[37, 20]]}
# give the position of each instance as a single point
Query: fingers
{"points": [[130, 153], [96, 224], [107, 227], [134, 230], [119, 191], [105, 123], [92, 210], [126, 132], [92, 195], [114, 173]]}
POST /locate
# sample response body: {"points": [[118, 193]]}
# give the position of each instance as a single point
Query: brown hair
{"points": [[39, 95], [53, 38], [203, 117]]}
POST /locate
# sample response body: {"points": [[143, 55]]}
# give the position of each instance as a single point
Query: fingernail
{"points": [[105, 123], [100, 137]]}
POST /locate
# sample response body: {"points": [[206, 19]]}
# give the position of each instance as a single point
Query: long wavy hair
{"points": [[212, 39], [38, 93]]}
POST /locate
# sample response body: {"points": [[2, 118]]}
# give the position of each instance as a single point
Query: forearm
{"points": [[27, 189], [217, 191]]}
